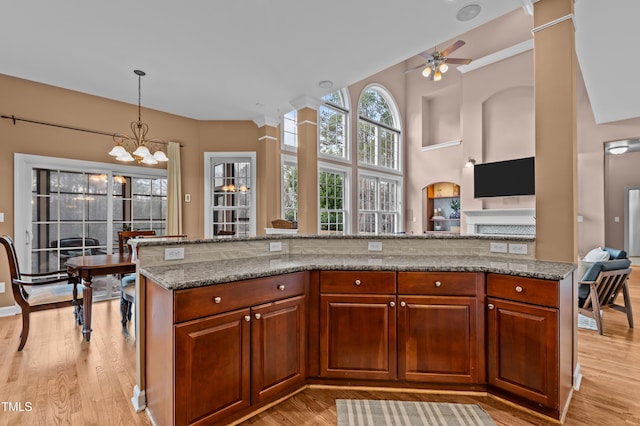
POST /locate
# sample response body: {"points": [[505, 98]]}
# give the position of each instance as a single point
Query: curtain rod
{"points": [[63, 126]]}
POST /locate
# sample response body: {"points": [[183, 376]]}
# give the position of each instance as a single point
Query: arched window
{"points": [[333, 130], [378, 130], [379, 172]]}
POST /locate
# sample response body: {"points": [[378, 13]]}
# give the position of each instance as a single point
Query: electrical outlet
{"points": [[187, 198], [174, 253], [275, 246], [498, 247], [1, 287], [518, 248], [375, 246]]}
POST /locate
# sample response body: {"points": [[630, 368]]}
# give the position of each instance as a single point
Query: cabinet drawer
{"points": [[526, 290], [370, 282], [203, 301], [437, 283]]}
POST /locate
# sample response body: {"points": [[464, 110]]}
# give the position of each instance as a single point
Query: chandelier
{"points": [[136, 147]]}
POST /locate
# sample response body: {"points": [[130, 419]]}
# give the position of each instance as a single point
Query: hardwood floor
{"points": [[67, 381]]}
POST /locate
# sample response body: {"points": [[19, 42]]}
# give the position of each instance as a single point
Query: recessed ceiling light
{"points": [[468, 12], [326, 84], [618, 149]]}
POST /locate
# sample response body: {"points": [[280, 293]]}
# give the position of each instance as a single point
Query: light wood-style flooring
{"points": [[67, 381]]}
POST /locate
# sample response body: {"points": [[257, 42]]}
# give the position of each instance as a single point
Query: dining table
{"points": [[87, 267]]}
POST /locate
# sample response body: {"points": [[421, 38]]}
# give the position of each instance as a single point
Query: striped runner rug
{"points": [[364, 412]]}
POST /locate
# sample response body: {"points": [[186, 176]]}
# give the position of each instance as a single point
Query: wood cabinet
{"points": [[441, 327], [358, 325], [529, 342], [236, 345]]}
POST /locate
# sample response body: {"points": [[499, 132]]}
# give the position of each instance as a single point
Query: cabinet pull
{"points": [[392, 304], [490, 306], [519, 289], [403, 303], [281, 287], [258, 316], [357, 282], [217, 299], [247, 318], [437, 283]]}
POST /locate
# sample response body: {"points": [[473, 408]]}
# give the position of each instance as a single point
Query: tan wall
{"points": [[621, 171], [40, 102]]}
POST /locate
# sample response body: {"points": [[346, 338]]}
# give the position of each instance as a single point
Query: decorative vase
{"points": [[454, 215]]}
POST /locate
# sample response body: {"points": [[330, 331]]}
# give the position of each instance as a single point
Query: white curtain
{"points": [[174, 190]]}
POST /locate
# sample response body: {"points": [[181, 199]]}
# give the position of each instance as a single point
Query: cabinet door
{"points": [[438, 340], [522, 349], [358, 336], [212, 370], [278, 347]]}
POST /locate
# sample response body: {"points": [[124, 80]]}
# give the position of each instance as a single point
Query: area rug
{"points": [[364, 412], [586, 322]]}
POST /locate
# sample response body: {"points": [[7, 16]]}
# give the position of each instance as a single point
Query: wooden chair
{"points": [[127, 282], [47, 290], [225, 232], [602, 294]]}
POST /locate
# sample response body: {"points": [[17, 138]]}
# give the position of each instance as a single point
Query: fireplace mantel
{"points": [[501, 221]]}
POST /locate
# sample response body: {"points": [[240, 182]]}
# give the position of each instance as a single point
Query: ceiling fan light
{"points": [[437, 76], [426, 72], [149, 159], [443, 67]]}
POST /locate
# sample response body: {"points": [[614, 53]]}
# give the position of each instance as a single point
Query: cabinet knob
{"points": [[392, 304], [357, 282], [490, 306], [217, 299], [403, 303], [247, 318], [281, 287], [437, 283], [519, 289], [258, 316]]}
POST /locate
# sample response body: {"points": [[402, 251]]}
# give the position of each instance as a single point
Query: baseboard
{"points": [[577, 377], [139, 399], [7, 311]]}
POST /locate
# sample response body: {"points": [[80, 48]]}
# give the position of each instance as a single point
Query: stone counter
{"points": [[195, 274]]}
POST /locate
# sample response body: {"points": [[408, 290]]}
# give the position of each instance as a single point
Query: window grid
{"points": [[290, 129], [290, 191], [332, 202], [333, 132], [231, 209], [378, 205]]}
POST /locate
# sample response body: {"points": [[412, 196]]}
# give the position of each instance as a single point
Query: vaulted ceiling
{"points": [[246, 59]]}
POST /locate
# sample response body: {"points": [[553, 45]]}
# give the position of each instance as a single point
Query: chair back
{"points": [[14, 269], [123, 236], [608, 285]]}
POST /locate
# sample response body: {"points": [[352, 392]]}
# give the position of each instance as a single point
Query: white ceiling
{"points": [[248, 59]]}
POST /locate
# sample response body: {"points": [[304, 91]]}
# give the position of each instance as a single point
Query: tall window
{"points": [[378, 210], [378, 134], [379, 191], [290, 130], [333, 136], [290, 190], [332, 201]]}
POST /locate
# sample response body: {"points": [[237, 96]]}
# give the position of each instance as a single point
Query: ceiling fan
{"points": [[437, 61]]}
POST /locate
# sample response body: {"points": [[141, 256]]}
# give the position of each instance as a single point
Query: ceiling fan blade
{"points": [[414, 68], [458, 44], [460, 61], [426, 55]]}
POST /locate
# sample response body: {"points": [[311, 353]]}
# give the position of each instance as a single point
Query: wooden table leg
{"points": [[87, 300]]}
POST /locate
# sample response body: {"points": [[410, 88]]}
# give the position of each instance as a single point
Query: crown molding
{"points": [[306, 102], [266, 120], [498, 56]]}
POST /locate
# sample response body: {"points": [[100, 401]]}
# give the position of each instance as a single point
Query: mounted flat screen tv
{"points": [[504, 178]]}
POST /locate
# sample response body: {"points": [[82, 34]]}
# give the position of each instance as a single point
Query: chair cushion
{"points": [[128, 280], [615, 253], [592, 271]]}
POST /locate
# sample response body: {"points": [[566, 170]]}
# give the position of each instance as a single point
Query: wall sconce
{"points": [[470, 163]]}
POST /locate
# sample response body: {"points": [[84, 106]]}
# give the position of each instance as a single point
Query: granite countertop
{"points": [[188, 275]]}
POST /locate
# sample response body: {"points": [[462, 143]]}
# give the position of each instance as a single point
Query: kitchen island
{"points": [[238, 325]]}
